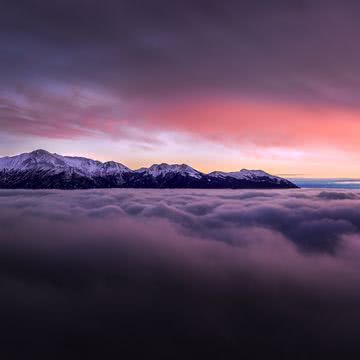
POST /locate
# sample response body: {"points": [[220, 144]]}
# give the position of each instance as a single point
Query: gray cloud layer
{"points": [[299, 49], [78, 68], [181, 273]]}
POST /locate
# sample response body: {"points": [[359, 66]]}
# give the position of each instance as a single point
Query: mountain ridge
{"points": [[41, 169]]}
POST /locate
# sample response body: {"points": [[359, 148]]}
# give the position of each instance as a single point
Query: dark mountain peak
{"points": [[159, 166], [40, 152]]}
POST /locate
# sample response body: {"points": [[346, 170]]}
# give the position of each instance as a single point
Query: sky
{"points": [[219, 85]]}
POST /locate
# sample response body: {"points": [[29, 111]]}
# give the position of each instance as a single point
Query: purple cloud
{"points": [[204, 272]]}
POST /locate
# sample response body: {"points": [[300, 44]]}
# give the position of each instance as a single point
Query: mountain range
{"points": [[41, 169]]}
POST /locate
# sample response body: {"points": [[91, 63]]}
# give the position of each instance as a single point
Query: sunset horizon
{"points": [[178, 160], [271, 86]]}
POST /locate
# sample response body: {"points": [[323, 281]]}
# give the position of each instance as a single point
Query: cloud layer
{"points": [[75, 69], [298, 50], [180, 273]]}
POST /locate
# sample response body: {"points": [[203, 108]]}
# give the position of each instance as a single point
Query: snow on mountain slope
{"points": [[41, 169], [38, 159], [42, 160], [245, 174], [163, 169]]}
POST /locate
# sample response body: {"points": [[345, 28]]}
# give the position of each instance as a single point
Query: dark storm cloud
{"points": [[297, 49], [153, 273]]}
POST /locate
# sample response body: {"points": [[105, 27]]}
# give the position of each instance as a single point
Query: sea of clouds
{"points": [[179, 273]]}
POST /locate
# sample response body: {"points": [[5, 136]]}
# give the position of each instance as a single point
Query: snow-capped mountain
{"points": [[245, 174], [42, 160], [164, 169], [41, 169]]}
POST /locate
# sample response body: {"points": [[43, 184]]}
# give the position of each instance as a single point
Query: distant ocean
{"points": [[326, 183]]}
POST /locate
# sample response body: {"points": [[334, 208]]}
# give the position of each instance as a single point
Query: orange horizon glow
{"points": [[317, 141]]}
